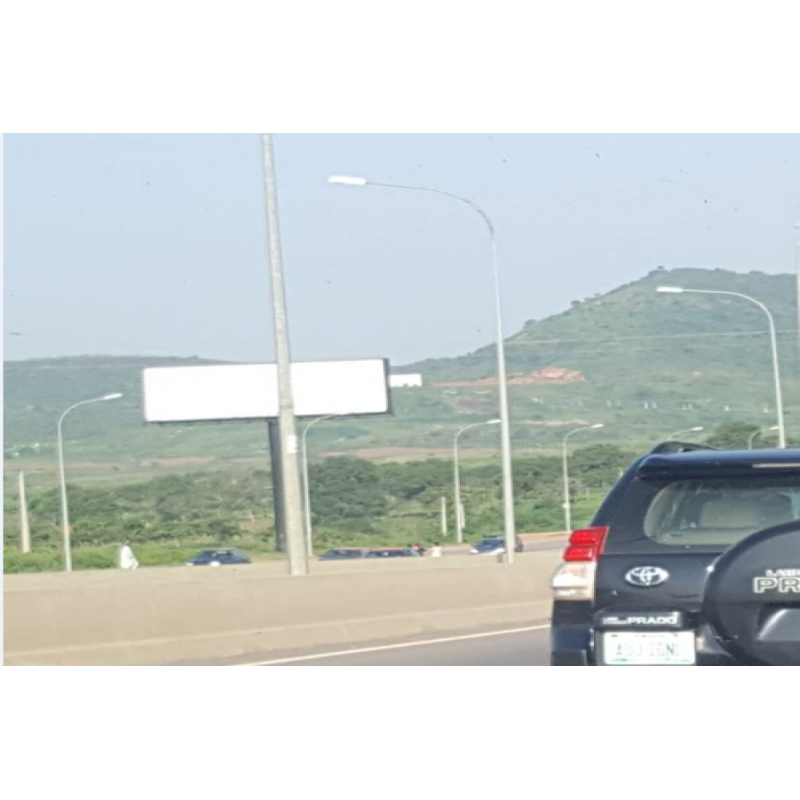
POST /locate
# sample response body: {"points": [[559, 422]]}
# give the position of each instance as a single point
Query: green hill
{"points": [[643, 363], [612, 338], [684, 354]]}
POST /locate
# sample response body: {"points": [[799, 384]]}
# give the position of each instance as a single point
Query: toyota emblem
{"points": [[647, 577]]}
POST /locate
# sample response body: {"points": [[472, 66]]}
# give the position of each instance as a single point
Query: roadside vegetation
{"points": [[355, 502]]}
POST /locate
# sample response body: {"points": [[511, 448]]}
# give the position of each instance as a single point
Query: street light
{"points": [[698, 429], [459, 513], [797, 268], [565, 471], [349, 180], [759, 433], [776, 367], [306, 483], [502, 385], [65, 531]]}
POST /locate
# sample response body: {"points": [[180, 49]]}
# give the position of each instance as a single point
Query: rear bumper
{"points": [[573, 646]]}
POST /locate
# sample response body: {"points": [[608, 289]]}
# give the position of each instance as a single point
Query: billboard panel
{"points": [[250, 391]]}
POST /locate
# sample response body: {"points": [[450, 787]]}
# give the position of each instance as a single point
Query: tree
{"points": [[599, 465], [346, 488], [732, 436], [425, 480]]}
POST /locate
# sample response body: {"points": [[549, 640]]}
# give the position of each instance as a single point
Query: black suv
{"points": [[692, 560]]}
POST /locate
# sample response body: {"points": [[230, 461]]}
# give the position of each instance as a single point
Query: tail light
{"points": [[586, 544], [575, 578]]}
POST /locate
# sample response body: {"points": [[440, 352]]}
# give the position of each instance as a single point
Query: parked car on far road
{"points": [[218, 558], [343, 554], [495, 545], [393, 552]]}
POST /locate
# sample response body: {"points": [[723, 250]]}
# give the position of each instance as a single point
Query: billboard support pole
{"points": [[278, 513], [24, 519], [289, 445]]}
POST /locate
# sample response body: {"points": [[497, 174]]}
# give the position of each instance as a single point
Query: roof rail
{"points": [[679, 447]]}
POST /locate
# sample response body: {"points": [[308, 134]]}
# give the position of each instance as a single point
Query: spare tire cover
{"points": [[752, 598]]}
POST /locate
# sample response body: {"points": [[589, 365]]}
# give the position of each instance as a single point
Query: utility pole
{"points": [[773, 334], [66, 528], [509, 522], [460, 516], [278, 514], [24, 520], [289, 445], [565, 472], [309, 522], [797, 269]]}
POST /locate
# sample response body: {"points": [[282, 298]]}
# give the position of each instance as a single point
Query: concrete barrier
{"points": [[184, 615]]}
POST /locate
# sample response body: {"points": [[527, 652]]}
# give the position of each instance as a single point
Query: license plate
{"points": [[633, 649]]}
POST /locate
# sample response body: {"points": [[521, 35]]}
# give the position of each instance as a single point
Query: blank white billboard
{"points": [[250, 391]]}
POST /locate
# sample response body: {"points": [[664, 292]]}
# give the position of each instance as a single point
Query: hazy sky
{"points": [[154, 244]]}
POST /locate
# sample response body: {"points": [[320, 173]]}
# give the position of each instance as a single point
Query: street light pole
{"points": [[66, 537], [459, 512], [759, 433], [565, 472], [306, 482], [509, 523], [776, 365], [290, 465], [797, 269]]}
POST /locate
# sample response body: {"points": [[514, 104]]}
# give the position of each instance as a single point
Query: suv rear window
{"points": [[719, 511]]}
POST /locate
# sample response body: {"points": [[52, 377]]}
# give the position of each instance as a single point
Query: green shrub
{"points": [[94, 557], [37, 561]]}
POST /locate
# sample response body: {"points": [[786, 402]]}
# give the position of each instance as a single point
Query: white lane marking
{"points": [[338, 653]]}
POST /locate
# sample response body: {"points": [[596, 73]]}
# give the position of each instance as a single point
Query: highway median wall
{"points": [[194, 616]]}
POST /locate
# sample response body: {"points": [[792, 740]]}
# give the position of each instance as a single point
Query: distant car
{"points": [[495, 545], [218, 558], [392, 552], [343, 554]]}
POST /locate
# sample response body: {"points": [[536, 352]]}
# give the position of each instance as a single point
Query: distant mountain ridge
{"points": [[636, 313], [616, 357]]}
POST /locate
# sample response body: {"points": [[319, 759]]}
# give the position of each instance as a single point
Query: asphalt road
{"points": [[516, 648]]}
